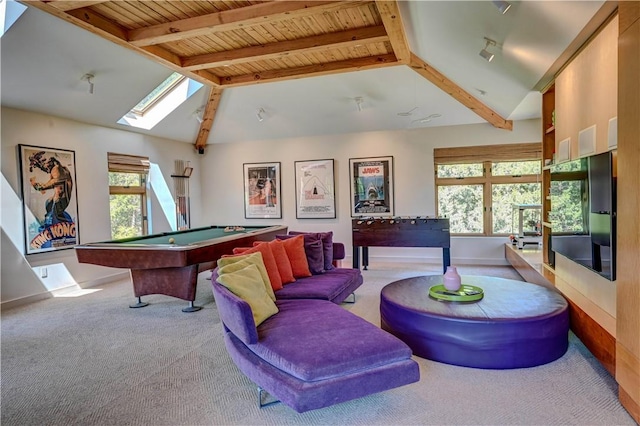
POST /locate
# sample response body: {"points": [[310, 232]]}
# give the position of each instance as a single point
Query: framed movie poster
{"points": [[315, 189], [49, 198], [262, 191], [371, 186]]}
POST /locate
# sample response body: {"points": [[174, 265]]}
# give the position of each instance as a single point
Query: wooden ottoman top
{"points": [[503, 299]]}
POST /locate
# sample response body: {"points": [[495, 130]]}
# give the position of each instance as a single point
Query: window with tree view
{"points": [[127, 204], [128, 194], [480, 195]]}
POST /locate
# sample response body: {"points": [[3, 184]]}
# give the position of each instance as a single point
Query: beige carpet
{"points": [[90, 360]]}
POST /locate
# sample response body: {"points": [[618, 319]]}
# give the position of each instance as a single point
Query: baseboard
{"points": [[106, 279], [599, 342], [25, 300], [51, 293], [629, 404]]}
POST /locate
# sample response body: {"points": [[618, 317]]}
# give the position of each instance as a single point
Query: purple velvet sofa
{"points": [[312, 353], [334, 285]]}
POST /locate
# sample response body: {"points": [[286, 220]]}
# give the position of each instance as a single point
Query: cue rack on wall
{"points": [[181, 177]]}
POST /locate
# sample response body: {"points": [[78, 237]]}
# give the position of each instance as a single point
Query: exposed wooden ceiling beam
{"points": [[73, 4], [230, 20], [337, 67], [202, 67], [286, 48], [210, 110], [390, 14], [95, 23], [458, 93]]}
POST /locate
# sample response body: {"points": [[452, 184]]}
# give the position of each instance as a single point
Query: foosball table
{"points": [[399, 232]]}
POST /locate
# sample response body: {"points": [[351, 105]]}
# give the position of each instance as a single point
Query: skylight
{"points": [[160, 102], [10, 11]]}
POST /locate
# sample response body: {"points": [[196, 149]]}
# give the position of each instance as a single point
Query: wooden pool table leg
{"points": [[177, 282]]}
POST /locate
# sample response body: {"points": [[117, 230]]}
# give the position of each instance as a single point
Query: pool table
{"points": [[169, 263]]}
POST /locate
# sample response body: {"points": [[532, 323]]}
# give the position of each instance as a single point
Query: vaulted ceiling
{"points": [[263, 52]]}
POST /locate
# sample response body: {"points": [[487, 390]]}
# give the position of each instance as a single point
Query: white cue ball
{"points": [[171, 240]]}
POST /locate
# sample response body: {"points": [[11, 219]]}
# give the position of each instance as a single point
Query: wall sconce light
{"points": [[260, 114], [503, 6], [488, 56], [89, 79], [359, 102]]}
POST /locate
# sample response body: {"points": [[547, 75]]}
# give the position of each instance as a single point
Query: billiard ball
{"points": [[172, 240]]}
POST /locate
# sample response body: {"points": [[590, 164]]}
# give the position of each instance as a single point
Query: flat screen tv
{"points": [[583, 212]]}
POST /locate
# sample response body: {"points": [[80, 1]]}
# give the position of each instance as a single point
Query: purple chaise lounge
{"points": [[312, 353]]}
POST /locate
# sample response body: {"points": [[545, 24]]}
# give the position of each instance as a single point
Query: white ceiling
{"points": [[44, 58]]}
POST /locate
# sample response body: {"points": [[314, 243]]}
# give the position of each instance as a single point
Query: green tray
{"points": [[466, 293]]}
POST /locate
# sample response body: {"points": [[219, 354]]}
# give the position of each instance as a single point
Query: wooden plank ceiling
{"points": [[225, 43]]}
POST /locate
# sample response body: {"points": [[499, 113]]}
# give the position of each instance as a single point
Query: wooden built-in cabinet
{"points": [[583, 95], [628, 284], [586, 94], [600, 81], [548, 151]]}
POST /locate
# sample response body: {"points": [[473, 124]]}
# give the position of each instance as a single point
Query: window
{"points": [[10, 12], [128, 195], [478, 187], [160, 102]]}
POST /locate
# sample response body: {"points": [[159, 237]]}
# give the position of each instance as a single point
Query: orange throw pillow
{"points": [[269, 262], [282, 260], [294, 247]]}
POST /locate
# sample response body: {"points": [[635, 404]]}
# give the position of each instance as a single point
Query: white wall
{"points": [[91, 144], [217, 188], [413, 176]]}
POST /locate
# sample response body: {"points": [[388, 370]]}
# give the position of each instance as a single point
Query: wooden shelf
{"points": [[529, 264], [549, 273], [548, 150]]}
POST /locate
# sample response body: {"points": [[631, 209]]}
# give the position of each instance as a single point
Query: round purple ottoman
{"points": [[515, 325]]}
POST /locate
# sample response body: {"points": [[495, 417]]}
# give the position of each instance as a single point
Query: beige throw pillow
{"points": [[235, 263], [247, 284]]}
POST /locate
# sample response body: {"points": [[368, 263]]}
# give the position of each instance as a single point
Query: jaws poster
{"points": [[371, 186]]}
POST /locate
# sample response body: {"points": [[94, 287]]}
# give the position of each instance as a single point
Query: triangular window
{"points": [[10, 11]]}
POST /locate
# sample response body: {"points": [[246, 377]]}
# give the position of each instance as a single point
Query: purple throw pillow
{"points": [[327, 246], [314, 251]]}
